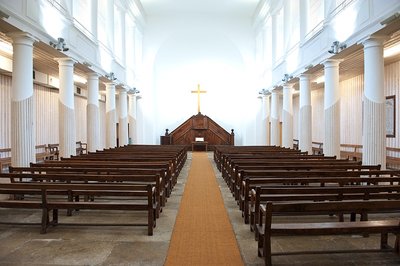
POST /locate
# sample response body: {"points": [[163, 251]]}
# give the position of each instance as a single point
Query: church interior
{"points": [[204, 132]]}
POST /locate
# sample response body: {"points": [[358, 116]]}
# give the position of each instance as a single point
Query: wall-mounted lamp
{"points": [[111, 76], [134, 91], [287, 77], [337, 47], [85, 63], [308, 66], [59, 45], [263, 92], [390, 19]]}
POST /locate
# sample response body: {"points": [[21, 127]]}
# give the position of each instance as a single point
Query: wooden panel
{"points": [[200, 126], [200, 122]]}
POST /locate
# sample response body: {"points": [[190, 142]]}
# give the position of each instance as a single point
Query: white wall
{"points": [[217, 54]]}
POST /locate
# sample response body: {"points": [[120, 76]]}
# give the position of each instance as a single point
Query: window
{"points": [[118, 29], [315, 16], [104, 20], [279, 35], [82, 13], [294, 25]]}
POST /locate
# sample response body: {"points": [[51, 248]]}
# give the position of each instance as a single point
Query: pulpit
{"points": [[198, 132], [199, 142]]}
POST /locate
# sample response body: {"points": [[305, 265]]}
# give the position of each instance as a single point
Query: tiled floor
{"points": [[92, 245]]}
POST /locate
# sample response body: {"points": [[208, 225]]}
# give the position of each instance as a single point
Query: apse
{"points": [[189, 58]]}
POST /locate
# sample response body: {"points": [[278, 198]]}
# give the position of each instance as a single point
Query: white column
{"points": [[305, 115], [332, 108], [266, 113], [123, 118], [22, 101], [93, 115], [275, 130], [111, 119], [132, 118], [66, 108], [374, 118], [287, 116]]}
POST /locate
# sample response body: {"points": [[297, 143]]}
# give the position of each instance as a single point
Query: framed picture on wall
{"points": [[391, 116]]}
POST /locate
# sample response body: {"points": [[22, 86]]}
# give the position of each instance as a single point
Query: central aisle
{"points": [[202, 234]]}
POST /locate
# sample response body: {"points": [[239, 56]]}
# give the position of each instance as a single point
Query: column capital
{"points": [[305, 76], [110, 84], [65, 61], [287, 86], [374, 40], [122, 90], [332, 62], [93, 75], [21, 37], [276, 90]]}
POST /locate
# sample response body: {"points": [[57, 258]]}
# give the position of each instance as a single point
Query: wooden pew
{"points": [[169, 182], [119, 179], [334, 192], [43, 153], [47, 204], [81, 148], [244, 173], [5, 158], [252, 202], [236, 178], [268, 229], [103, 175]]}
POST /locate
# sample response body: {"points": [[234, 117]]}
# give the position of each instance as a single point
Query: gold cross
{"points": [[198, 91]]}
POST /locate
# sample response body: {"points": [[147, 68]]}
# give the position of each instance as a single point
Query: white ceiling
{"points": [[245, 8]]}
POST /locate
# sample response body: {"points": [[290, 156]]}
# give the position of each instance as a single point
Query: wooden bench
{"points": [[249, 204], [334, 192], [317, 147], [237, 187], [269, 229], [304, 174], [144, 196], [354, 152], [351, 151], [156, 176], [5, 158], [43, 153], [81, 148], [54, 151], [169, 181]]}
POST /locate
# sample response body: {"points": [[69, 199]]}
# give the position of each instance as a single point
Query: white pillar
{"points": [[275, 130], [66, 108], [332, 108], [111, 119], [305, 115], [93, 115], [132, 118], [374, 119], [287, 116], [266, 115], [22, 101], [123, 118]]}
